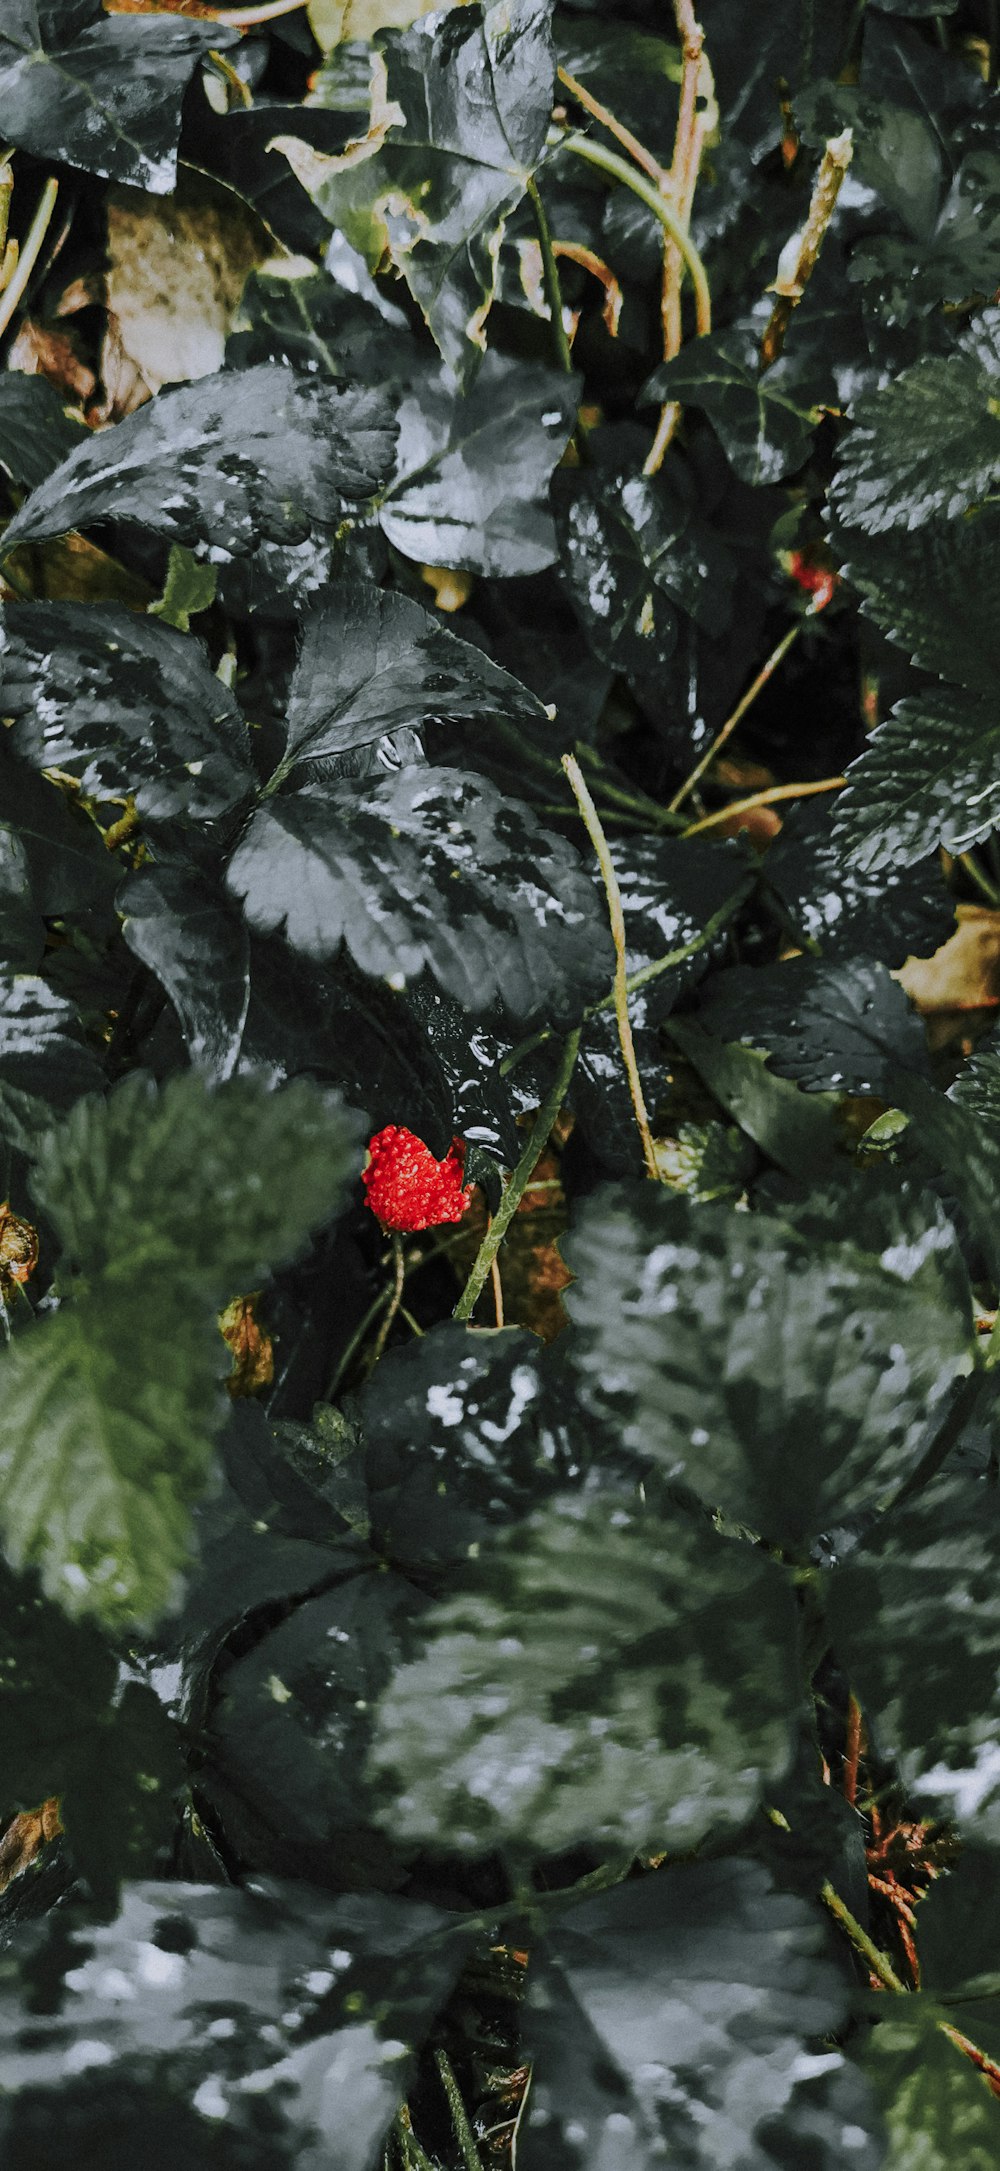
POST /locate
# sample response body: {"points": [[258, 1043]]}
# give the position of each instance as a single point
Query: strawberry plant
{"points": [[499, 1085]]}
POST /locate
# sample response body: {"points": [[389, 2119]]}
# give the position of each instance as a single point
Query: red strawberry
{"points": [[407, 1188]]}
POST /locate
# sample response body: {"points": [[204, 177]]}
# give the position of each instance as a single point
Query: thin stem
{"points": [[635, 980], [30, 252], [538, 1137], [764, 799], [979, 880], [684, 170], [459, 2116], [852, 1749], [615, 127], [993, 35], [616, 168], [550, 276], [879, 1963], [497, 1291], [395, 1300], [616, 915], [884, 1972], [790, 284], [746, 701], [237, 17]]}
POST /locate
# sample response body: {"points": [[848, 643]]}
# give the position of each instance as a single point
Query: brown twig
{"points": [[592, 822], [763, 799], [683, 178], [852, 1749], [798, 258]]}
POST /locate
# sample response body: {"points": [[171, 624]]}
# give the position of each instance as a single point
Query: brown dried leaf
{"points": [[25, 1835], [965, 973], [177, 266], [39, 351], [252, 1348], [18, 1250]]}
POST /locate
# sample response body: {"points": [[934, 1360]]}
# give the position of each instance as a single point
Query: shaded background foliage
{"points": [[571, 1741]]}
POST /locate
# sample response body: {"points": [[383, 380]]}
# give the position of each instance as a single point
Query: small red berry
{"points": [[817, 580], [407, 1188]]}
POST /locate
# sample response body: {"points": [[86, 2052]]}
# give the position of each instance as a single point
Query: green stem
{"points": [[520, 1177], [414, 2157], [766, 672], [30, 253], [550, 275], [876, 1960], [635, 979], [395, 1299], [459, 2116], [592, 823], [619, 170]]}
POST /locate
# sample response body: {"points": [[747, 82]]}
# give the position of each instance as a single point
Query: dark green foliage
{"points": [[436, 1705], [227, 462]]}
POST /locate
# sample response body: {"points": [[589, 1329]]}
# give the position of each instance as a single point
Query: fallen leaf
{"points": [[252, 1348], [965, 973], [38, 351], [23, 1838], [18, 1250], [177, 266]]}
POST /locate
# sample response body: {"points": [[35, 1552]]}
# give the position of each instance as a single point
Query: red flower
{"points": [[407, 1188], [817, 580]]}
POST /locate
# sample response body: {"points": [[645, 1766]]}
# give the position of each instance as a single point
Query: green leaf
{"points": [[797, 1131], [928, 777], [373, 664], [292, 1718], [82, 88], [473, 91], [225, 462], [306, 318], [314, 2003], [717, 1342], [638, 559], [69, 865], [465, 1431], [931, 592], [108, 1414], [673, 2021], [928, 444], [128, 707], [764, 430], [164, 1203], [620, 1680], [191, 936], [938, 2110], [22, 930], [44, 1062], [472, 470], [914, 1616], [189, 588], [904, 912], [844, 1026], [428, 868], [112, 1761], [211, 1186], [36, 430]]}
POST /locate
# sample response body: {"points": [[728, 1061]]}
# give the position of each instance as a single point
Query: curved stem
{"points": [[550, 275], [685, 167], [30, 253], [618, 170], [764, 799], [615, 127], [635, 980], [616, 914], [767, 671], [520, 1178], [238, 17]]}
